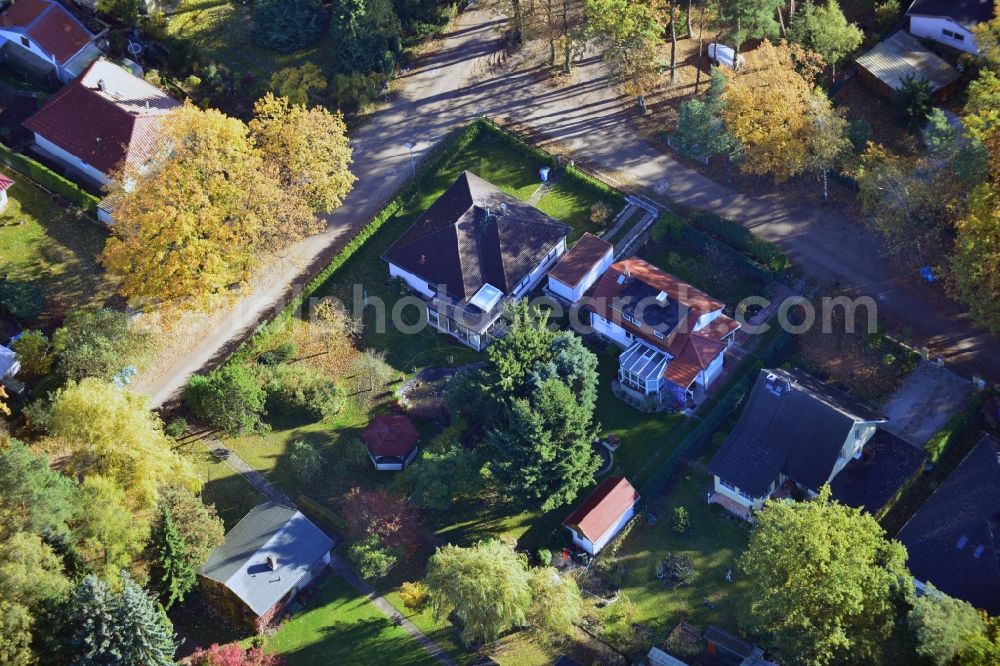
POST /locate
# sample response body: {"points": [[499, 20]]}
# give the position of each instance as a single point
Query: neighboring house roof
{"points": [[792, 424], [105, 117], [473, 235], [902, 55], [49, 25], [581, 258], [390, 436], [270, 529], [630, 282], [953, 540], [870, 481], [5, 182], [8, 361], [602, 509], [966, 13]]}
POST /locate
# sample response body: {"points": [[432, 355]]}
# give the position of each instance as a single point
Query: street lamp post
{"points": [[413, 165]]}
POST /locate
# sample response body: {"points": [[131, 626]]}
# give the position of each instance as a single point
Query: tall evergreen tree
{"points": [[35, 498], [171, 567], [124, 629]]}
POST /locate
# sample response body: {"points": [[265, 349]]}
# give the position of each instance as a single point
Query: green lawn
{"points": [[44, 244], [339, 626], [221, 31], [713, 544], [570, 201]]}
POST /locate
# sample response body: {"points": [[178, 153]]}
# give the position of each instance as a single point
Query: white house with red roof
{"points": [[602, 515], [674, 336], [43, 36], [102, 120], [579, 268]]}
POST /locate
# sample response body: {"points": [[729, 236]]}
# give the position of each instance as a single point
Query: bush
{"points": [[304, 460], [176, 427], [667, 227], [230, 398], [913, 102], [371, 558], [677, 570], [97, 343], [283, 353], [288, 25], [544, 557], [740, 238], [32, 350], [300, 392], [414, 595], [600, 213], [22, 300], [682, 521]]}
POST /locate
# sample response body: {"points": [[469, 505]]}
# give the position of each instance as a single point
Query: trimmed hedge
{"points": [[320, 514], [48, 179], [767, 254]]}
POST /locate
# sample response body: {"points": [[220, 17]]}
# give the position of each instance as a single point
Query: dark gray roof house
{"points": [[472, 251], [953, 540], [271, 554], [886, 464], [793, 427]]}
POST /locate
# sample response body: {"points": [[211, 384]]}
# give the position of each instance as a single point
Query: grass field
{"points": [[46, 245], [339, 626]]}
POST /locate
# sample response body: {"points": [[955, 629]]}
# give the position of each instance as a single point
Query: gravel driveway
{"points": [[927, 398]]}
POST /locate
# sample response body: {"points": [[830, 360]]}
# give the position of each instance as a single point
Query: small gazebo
{"points": [[5, 183], [391, 442]]}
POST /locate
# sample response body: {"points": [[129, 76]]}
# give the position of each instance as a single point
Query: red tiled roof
{"points": [[105, 127], [390, 436], [692, 352], [49, 25], [603, 508], [583, 256], [5, 182]]}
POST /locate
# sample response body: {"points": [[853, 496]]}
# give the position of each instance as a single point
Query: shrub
{"points": [[176, 427], [302, 392], [600, 212], [23, 300], [230, 398], [677, 570], [283, 353], [913, 102], [414, 595], [288, 25], [32, 349], [48, 178], [667, 227], [304, 459], [545, 557], [682, 521], [740, 238], [371, 558], [97, 343]]}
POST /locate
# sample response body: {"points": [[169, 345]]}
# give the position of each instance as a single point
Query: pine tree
{"points": [[125, 629], [171, 564]]}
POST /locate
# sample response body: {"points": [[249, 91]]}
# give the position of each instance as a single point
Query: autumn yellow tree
{"points": [[198, 217], [107, 431], [307, 147], [768, 108]]}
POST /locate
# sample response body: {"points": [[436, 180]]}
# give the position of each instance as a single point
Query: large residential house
{"points": [[104, 119], [675, 337], [472, 252], [580, 268], [949, 22], [265, 561], [953, 540], [44, 38], [795, 434]]}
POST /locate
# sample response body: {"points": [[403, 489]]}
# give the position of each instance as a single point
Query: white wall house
{"points": [[793, 429], [52, 151], [944, 31], [602, 515], [949, 22], [580, 268], [42, 36]]}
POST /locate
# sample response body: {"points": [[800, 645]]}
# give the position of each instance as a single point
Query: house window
{"points": [[629, 318], [951, 34], [745, 496], [433, 317], [24, 42], [857, 435], [658, 334], [727, 486]]}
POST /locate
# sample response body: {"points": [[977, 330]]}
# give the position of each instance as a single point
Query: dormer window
{"points": [[24, 42], [658, 334]]}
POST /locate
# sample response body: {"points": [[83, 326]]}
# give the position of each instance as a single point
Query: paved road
{"points": [[452, 85]]}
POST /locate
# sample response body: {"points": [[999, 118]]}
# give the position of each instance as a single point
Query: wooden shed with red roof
{"points": [[391, 441], [603, 514], [44, 37], [674, 336]]}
